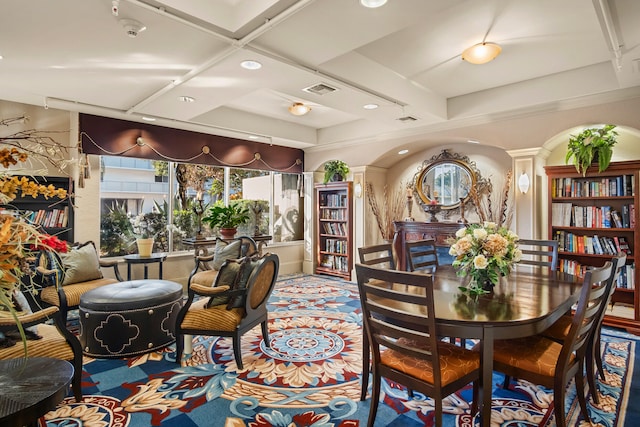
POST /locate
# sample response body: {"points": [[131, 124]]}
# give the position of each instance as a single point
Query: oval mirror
{"points": [[445, 180]]}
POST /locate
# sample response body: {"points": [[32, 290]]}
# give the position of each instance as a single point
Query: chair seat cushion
{"points": [[536, 354], [559, 330], [205, 277], [52, 344], [455, 363], [73, 292], [214, 318], [81, 264]]}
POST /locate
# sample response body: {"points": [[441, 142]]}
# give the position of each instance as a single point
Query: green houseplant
{"points": [[590, 145], [335, 170], [226, 218]]}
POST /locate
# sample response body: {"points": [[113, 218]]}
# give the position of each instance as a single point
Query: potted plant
{"points": [[226, 218], [592, 145], [335, 170]]}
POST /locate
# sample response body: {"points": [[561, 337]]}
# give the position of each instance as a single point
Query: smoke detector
{"points": [[132, 27]]}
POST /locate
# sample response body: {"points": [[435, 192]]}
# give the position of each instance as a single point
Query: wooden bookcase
{"points": [[334, 229], [592, 216], [53, 215]]}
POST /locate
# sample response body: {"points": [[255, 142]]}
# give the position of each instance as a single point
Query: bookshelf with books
{"points": [[593, 217], [54, 216], [334, 229]]}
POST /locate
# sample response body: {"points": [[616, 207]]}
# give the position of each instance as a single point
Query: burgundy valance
{"points": [[115, 137]]}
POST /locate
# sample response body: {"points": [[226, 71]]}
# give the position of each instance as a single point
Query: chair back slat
{"points": [[593, 295], [539, 253], [379, 255], [399, 316], [421, 255]]}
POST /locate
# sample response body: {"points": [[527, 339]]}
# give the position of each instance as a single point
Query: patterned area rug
{"points": [[309, 377]]}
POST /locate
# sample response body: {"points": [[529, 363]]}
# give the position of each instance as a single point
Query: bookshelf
{"points": [[53, 215], [334, 229], [593, 217]]}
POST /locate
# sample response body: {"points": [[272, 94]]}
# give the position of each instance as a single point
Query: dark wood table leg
{"points": [[486, 385], [160, 270]]}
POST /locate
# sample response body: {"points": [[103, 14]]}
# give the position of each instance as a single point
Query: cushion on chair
{"points": [[535, 354], [247, 265], [73, 292], [455, 363], [200, 317], [224, 251], [52, 344], [228, 275], [560, 329], [205, 277], [81, 264]]}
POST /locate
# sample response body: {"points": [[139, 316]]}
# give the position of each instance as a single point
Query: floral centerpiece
{"points": [[484, 252]]}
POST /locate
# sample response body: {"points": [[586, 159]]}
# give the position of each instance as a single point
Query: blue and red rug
{"points": [[309, 377]]}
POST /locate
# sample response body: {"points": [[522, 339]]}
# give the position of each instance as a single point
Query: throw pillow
{"points": [[224, 251], [228, 275], [247, 265], [81, 264]]}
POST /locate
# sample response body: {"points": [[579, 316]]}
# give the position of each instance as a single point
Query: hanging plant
{"points": [[590, 145]]}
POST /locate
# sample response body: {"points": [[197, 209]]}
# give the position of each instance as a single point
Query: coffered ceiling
{"points": [[403, 57]]}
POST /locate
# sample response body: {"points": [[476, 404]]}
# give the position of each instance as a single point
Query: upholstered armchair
{"points": [[64, 278], [53, 340], [235, 303], [207, 266]]}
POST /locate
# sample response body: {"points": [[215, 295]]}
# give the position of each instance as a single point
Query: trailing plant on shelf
{"points": [[334, 169], [590, 145]]}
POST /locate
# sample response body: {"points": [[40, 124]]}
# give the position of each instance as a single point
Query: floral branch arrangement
{"points": [[484, 252], [390, 209], [483, 200]]}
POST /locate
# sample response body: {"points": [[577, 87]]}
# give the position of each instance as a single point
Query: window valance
{"points": [[115, 137]]}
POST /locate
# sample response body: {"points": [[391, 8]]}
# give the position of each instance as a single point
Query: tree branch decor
{"points": [[390, 209]]}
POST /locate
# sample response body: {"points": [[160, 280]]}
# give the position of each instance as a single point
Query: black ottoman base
{"points": [[129, 318]]}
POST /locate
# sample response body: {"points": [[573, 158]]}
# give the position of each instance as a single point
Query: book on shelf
{"points": [[616, 218], [624, 245]]}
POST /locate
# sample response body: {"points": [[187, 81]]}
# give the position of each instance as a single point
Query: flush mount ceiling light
{"points": [[372, 3], [401, 152], [481, 53], [370, 106], [299, 109], [186, 98], [251, 65]]}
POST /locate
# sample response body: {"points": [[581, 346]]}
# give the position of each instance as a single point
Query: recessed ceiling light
{"points": [[186, 98], [405, 151], [370, 106], [251, 65], [253, 137], [148, 119], [473, 141], [372, 3]]}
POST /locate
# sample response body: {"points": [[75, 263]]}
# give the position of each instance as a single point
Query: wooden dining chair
{"points": [[539, 253], [401, 328], [543, 361], [380, 255], [421, 255], [560, 329]]}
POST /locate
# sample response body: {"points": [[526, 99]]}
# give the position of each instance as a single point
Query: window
{"points": [[166, 197]]}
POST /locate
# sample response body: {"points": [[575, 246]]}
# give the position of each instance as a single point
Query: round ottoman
{"points": [[129, 318]]}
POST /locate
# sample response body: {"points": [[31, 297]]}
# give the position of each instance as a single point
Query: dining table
{"points": [[523, 303]]}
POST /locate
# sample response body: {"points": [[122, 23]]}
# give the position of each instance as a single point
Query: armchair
{"points": [[234, 305], [66, 277], [55, 341], [207, 266]]}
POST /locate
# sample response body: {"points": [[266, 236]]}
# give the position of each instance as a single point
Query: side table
{"points": [[31, 387], [158, 258]]}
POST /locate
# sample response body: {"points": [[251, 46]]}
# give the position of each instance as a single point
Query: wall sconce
{"points": [[523, 183], [357, 189]]}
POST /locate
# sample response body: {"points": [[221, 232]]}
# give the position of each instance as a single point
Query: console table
{"points": [[406, 231], [200, 245]]}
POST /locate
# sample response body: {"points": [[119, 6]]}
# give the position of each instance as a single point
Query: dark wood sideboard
{"points": [[416, 230]]}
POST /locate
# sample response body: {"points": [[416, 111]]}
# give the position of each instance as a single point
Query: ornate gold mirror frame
{"points": [[446, 180]]}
